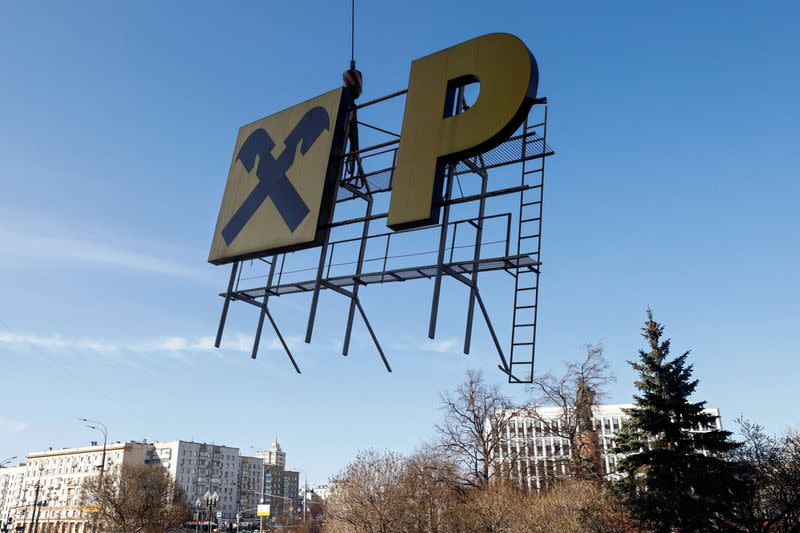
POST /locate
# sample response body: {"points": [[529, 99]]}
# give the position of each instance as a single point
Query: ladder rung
{"points": [[524, 325], [521, 344], [521, 363], [532, 171], [534, 203], [526, 289], [533, 219], [529, 237], [525, 307]]}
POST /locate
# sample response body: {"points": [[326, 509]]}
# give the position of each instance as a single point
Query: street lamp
{"points": [[99, 426], [198, 505], [4, 462], [211, 503]]}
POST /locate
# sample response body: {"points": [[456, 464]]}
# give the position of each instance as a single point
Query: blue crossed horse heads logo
{"points": [[271, 173]]}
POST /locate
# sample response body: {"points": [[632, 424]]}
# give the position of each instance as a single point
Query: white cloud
{"points": [[56, 342], [9, 425], [173, 345], [170, 345], [448, 345], [62, 247]]}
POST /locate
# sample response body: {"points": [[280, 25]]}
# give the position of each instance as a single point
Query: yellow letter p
{"points": [[433, 136]]}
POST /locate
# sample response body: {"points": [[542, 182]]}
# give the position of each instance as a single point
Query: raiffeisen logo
{"points": [[282, 201]]}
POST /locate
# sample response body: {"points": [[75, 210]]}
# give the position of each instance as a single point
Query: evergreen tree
{"points": [[673, 475]]}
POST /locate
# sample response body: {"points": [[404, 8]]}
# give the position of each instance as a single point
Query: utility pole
{"points": [[99, 426], [305, 496], [263, 478], [35, 503]]}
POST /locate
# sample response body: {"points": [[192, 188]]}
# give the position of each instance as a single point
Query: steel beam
{"points": [[224, 316], [263, 312]]}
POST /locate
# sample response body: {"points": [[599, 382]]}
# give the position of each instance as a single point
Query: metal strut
{"points": [[224, 315], [263, 312], [437, 282]]}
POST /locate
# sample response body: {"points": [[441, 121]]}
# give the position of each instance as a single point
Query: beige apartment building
{"points": [[50, 481], [51, 485]]}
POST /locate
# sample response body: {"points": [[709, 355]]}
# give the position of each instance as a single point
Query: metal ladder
{"points": [[526, 278]]}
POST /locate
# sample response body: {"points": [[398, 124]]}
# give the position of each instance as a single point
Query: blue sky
{"points": [[674, 186]]}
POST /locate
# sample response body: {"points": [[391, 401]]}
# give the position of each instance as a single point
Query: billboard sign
{"points": [[282, 180], [263, 509], [290, 171]]}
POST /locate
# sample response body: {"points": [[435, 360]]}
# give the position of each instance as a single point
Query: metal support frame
{"points": [[474, 291], [257, 339], [481, 171], [355, 183], [362, 249], [437, 283], [224, 315]]}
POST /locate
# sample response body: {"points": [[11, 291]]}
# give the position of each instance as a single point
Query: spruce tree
{"points": [[673, 476]]}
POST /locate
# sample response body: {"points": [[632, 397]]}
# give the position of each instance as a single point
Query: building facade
{"points": [[281, 486], [198, 468], [536, 455], [50, 482], [11, 482]]}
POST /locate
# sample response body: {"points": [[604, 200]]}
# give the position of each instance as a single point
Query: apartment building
{"points": [[50, 481], [11, 480], [198, 468]]}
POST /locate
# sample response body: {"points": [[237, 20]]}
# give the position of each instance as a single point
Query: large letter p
{"points": [[432, 136]]}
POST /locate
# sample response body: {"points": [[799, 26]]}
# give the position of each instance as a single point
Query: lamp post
{"points": [[4, 462], [211, 503], [99, 426], [197, 506]]}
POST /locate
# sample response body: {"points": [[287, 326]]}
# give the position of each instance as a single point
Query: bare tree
{"points": [[366, 496], [574, 393], [137, 499], [768, 471], [384, 493], [572, 506], [432, 494], [494, 508], [472, 432]]}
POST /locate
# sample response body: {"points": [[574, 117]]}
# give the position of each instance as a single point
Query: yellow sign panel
{"points": [[91, 509], [282, 181], [263, 509], [432, 135]]}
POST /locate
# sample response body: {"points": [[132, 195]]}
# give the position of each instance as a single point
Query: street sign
{"points": [[219, 515], [263, 509], [91, 509]]}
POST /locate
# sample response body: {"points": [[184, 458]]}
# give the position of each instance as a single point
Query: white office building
{"points": [[199, 468], [537, 456]]}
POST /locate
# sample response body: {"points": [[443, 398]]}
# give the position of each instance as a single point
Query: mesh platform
{"points": [[400, 274], [507, 153]]}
